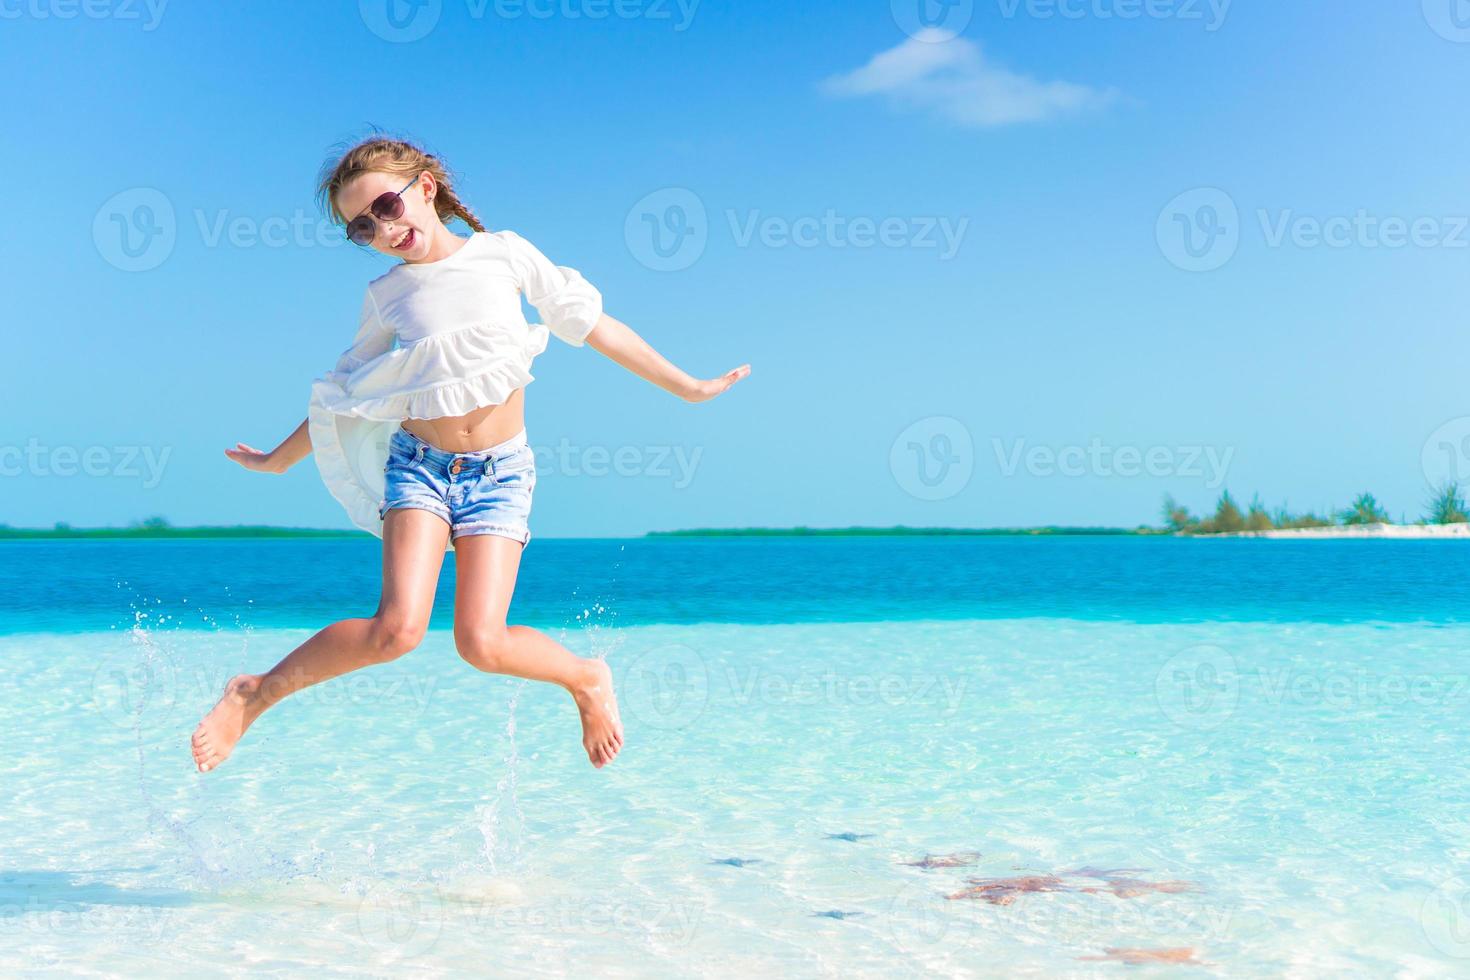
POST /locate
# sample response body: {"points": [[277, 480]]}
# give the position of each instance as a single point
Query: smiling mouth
{"points": [[405, 242]]}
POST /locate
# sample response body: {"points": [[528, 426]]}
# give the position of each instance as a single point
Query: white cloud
{"points": [[954, 80]]}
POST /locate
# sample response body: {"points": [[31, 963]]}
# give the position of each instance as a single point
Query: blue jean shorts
{"points": [[484, 492]]}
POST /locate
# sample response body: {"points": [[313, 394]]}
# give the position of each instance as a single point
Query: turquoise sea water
{"points": [[1270, 735]]}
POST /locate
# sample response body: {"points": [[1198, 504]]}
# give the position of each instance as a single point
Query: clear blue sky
{"points": [[1051, 145]]}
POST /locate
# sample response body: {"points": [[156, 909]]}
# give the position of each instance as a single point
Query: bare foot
{"points": [[602, 728], [217, 734]]}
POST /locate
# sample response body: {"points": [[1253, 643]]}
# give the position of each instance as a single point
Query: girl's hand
{"points": [[253, 459], [703, 391]]}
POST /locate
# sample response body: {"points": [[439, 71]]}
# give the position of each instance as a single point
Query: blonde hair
{"points": [[389, 155]]}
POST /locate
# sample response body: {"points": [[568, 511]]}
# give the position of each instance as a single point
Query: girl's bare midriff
{"points": [[480, 429]]}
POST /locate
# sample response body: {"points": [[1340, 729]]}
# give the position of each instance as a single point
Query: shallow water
{"points": [[1304, 769]]}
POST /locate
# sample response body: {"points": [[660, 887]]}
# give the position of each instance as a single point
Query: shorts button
{"points": [[456, 466]]}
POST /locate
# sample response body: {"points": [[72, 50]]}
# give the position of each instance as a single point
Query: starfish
{"points": [[736, 862], [1134, 887], [960, 859], [1004, 891], [1091, 872], [1138, 957]]}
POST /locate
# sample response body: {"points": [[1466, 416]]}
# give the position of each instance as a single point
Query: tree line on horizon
{"points": [[1446, 505]]}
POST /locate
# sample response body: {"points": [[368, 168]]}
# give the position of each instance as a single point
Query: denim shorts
{"points": [[484, 492]]}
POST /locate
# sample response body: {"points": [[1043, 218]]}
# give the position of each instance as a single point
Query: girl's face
{"points": [[408, 236]]}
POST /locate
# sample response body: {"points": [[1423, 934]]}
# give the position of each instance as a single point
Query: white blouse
{"points": [[438, 339]]}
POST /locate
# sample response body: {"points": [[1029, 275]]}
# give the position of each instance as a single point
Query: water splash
{"points": [[213, 849], [507, 796]]}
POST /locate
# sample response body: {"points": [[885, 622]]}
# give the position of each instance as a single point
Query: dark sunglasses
{"points": [[362, 229]]}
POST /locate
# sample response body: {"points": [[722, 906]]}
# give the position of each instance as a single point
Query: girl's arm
{"points": [[618, 341], [296, 448]]}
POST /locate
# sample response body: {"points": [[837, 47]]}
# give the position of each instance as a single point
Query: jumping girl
{"points": [[419, 432]]}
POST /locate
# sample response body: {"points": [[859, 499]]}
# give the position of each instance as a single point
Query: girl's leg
{"points": [[485, 567], [413, 554]]}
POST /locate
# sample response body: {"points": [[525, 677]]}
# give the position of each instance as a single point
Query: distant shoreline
{"points": [[899, 532], [205, 531], [1402, 532], [268, 531], [250, 531], [1386, 531]]}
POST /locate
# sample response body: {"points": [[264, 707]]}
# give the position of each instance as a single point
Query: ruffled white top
{"points": [[438, 339]]}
